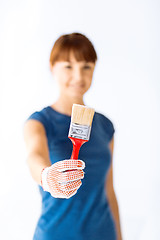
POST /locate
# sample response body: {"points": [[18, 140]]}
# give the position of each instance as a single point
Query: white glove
{"points": [[62, 179]]}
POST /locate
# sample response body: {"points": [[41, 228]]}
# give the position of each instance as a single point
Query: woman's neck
{"points": [[64, 104]]}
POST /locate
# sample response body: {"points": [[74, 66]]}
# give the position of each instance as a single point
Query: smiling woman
{"points": [[90, 210], [72, 62], [74, 77]]}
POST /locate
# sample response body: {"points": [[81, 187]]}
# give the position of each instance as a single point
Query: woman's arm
{"points": [[111, 194], [37, 148], [38, 159]]}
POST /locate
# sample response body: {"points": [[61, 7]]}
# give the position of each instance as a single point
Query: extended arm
{"points": [[37, 148], [63, 178]]}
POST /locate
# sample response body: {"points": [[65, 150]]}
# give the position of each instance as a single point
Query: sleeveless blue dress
{"points": [[86, 215]]}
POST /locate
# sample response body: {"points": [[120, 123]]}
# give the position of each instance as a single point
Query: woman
{"points": [[80, 206]]}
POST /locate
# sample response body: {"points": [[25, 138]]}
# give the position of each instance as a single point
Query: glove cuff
{"points": [[44, 175]]}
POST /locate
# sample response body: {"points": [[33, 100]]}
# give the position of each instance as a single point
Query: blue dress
{"points": [[86, 215]]}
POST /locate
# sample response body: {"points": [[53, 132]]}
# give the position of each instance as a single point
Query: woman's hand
{"points": [[62, 179]]}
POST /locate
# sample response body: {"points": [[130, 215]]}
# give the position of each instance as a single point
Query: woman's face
{"points": [[74, 77]]}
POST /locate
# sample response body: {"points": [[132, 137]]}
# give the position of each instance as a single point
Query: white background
{"points": [[125, 88]]}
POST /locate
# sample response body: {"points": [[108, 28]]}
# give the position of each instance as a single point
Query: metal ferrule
{"points": [[79, 131]]}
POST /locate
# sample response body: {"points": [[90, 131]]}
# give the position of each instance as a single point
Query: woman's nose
{"points": [[78, 75]]}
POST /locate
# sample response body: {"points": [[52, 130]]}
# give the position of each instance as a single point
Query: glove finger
{"points": [[70, 176], [69, 164], [58, 193], [70, 185], [54, 188], [68, 194], [57, 188]]}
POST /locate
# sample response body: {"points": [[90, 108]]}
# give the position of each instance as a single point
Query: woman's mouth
{"points": [[77, 86]]}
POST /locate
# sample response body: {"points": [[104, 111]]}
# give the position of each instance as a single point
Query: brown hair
{"points": [[81, 46]]}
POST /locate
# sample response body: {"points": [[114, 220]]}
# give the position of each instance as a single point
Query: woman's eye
{"points": [[87, 67], [68, 66]]}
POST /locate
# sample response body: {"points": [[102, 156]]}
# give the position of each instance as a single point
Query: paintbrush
{"points": [[80, 127]]}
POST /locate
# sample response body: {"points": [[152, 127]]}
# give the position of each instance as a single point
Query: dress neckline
{"points": [[61, 114]]}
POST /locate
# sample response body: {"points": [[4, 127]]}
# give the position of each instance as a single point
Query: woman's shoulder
{"points": [[39, 114], [49, 117], [103, 118], [106, 123]]}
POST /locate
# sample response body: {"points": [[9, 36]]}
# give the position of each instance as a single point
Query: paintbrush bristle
{"points": [[82, 115]]}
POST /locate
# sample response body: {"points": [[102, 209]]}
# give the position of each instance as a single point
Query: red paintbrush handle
{"points": [[77, 143]]}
